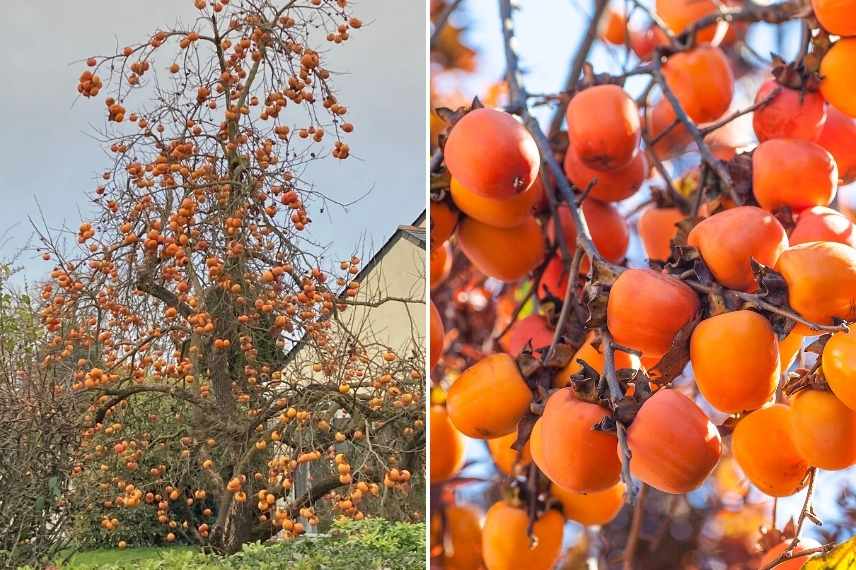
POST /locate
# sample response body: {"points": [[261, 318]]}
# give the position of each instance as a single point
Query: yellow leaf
{"points": [[842, 557]]}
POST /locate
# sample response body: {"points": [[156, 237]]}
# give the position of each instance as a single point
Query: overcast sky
{"points": [[46, 153]]}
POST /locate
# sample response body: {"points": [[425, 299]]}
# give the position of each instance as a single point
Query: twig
{"points": [[616, 395], [635, 527], [707, 129], [441, 21]]}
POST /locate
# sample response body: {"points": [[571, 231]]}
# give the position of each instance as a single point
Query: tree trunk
{"points": [[234, 529]]}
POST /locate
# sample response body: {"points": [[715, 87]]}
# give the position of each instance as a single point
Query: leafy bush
{"points": [[370, 544]]}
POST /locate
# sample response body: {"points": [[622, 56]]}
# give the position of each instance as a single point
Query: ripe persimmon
{"points": [[590, 509], [795, 173], [492, 154], [673, 445], [608, 185], [821, 278], [506, 544], [657, 228], [499, 212], [505, 457], [447, 449], [701, 79], [489, 398], [823, 224], [660, 125], [594, 358], [729, 240], [837, 137], [824, 429], [441, 264], [678, 15], [735, 358], [438, 333], [839, 366], [790, 346], [836, 16], [459, 533], [836, 69], [763, 443], [507, 254], [443, 222], [603, 127], [607, 227], [613, 26], [533, 328], [646, 309], [565, 446], [791, 114]]}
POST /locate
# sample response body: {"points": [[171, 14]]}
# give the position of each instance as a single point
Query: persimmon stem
{"points": [[615, 396]]}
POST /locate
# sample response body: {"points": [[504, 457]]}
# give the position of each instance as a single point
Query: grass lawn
{"points": [[88, 559]]}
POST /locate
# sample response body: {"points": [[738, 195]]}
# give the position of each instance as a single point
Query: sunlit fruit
{"points": [[657, 228], [441, 264], [458, 531], [673, 444], [821, 278], [505, 457], [836, 69], [763, 443], [490, 153], [607, 185], [790, 114], [507, 546], [507, 254], [567, 448], [836, 16], [794, 173], [607, 227], [590, 509], [678, 15], [735, 359], [776, 551], [603, 127], [823, 224], [839, 366], [646, 309], [489, 398], [666, 137], [837, 137], [593, 356], [532, 330], [824, 429], [447, 446], [701, 79], [506, 212], [443, 222]]}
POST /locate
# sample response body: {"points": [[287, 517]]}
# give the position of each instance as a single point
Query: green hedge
{"points": [[371, 544]]}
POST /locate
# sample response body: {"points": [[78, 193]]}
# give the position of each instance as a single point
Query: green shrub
{"points": [[371, 544]]}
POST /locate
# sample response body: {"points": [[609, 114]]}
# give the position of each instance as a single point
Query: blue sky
{"points": [[47, 155]]}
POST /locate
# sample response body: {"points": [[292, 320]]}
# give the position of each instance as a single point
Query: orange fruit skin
{"points": [[603, 127], [534, 328], [498, 212], [613, 29], [839, 366], [837, 68], [609, 185], [568, 450], [608, 230], [823, 224], [790, 115], [441, 264], [790, 346], [821, 278], [505, 457], [837, 137], [824, 429], [728, 240], [657, 228], [794, 173], [443, 222], [489, 398], [794, 564], [659, 118], [702, 81], [507, 254], [673, 445], [646, 309], [447, 446], [763, 445], [836, 16], [437, 333], [679, 14], [591, 509], [492, 154], [462, 540], [593, 357], [505, 543], [735, 358]]}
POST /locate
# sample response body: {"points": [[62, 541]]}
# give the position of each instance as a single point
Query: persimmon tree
{"points": [[600, 381], [196, 287]]}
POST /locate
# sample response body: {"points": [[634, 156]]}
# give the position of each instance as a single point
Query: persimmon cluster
{"points": [[581, 386]]}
